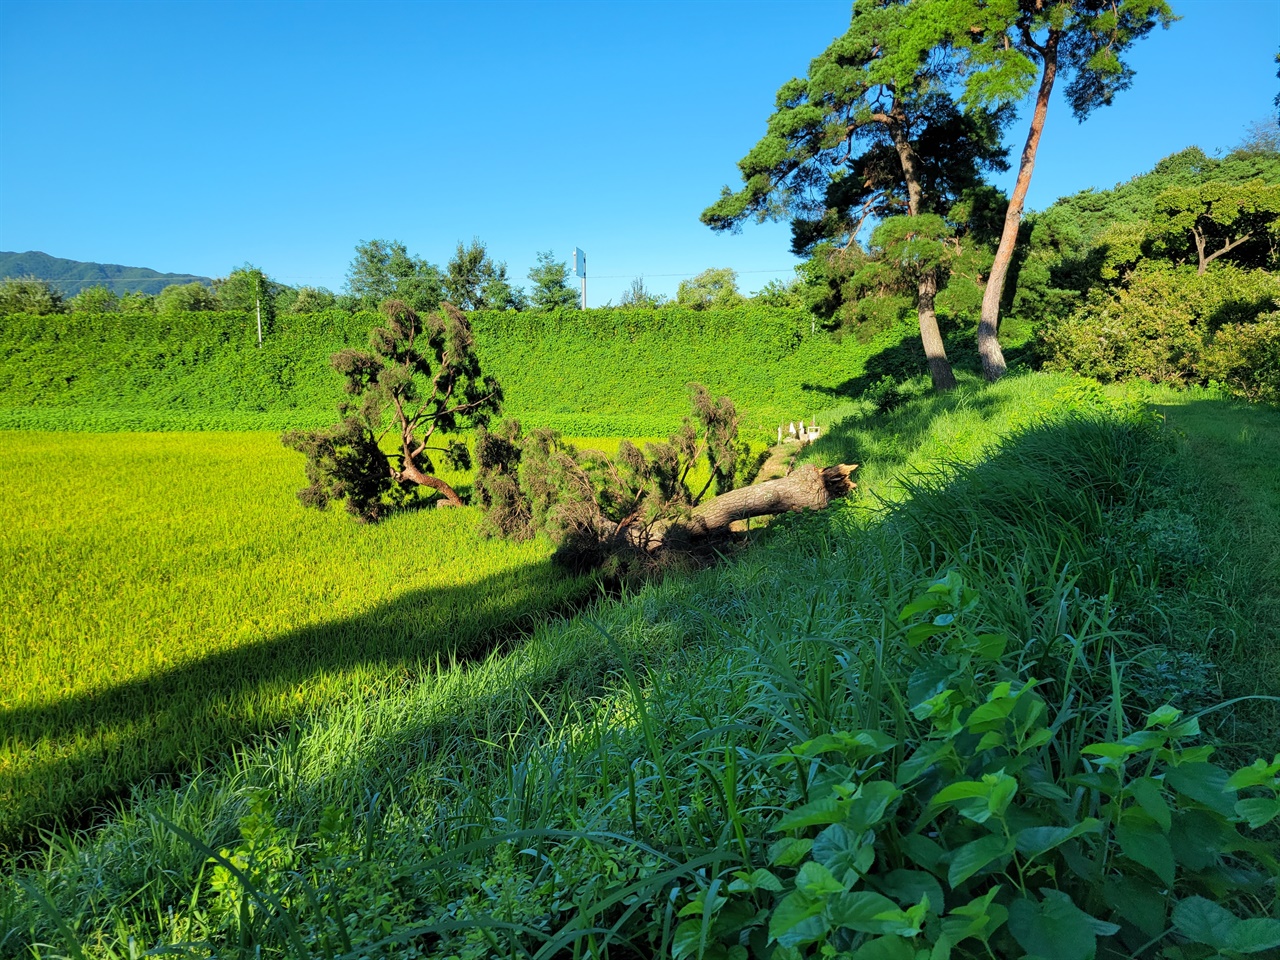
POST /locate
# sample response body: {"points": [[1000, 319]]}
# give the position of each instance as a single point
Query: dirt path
{"points": [[782, 458]]}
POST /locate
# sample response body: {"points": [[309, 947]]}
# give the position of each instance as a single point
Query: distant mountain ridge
{"points": [[69, 277]]}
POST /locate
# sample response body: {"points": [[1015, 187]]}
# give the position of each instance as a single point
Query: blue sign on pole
{"points": [[579, 263]]}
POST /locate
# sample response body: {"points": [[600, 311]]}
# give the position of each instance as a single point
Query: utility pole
{"points": [[580, 268], [257, 285]]}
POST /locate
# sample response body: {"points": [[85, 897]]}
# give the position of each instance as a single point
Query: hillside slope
{"points": [[593, 373], [72, 276]]}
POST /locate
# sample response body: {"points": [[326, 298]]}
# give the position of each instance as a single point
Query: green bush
{"points": [[1175, 326], [607, 372], [1245, 358]]}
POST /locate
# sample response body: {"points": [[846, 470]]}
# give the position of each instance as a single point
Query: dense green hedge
{"points": [[592, 373], [1172, 325]]}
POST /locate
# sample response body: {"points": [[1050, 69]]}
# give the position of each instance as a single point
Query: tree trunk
{"points": [[927, 286], [931, 336], [412, 473], [808, 488], [993, 366]]}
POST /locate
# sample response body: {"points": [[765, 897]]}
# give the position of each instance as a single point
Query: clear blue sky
{"points": [[193, 137]]}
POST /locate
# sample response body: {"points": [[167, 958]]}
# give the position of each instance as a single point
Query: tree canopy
{"points": [[712, 289], [29, 295], [551, 290], [419, 382], [475, 281], [186, 298], [1216, 219], [384, 270], [96, 299], [870, 133], [1002, 48]]}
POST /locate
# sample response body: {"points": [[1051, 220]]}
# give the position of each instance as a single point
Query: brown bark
{"points": [[1201, 245], [927, 286], [412, 473], [993, 365], [934, 350], [808, 488]]}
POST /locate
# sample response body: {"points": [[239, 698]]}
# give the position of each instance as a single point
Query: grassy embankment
{"points": [[598, 373], [597, 789]]}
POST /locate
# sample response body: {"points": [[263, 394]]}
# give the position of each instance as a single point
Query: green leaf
{"points": [[1150, 798], [961, 790], [868, 912], [789, 851], [920, 605], [1053, 928], [1037, 841], [991, 645], [931, 679], [797, 920], [921, 632], [926, 756], [816, 881], [846, 853], [1139, 902], [868, 807], [923, 851], [1258, 811], [1163, 717], [688, 939], [859, 743], [979, 800], [972, 857], [1145, 844], [759, 879], [1203, 921], [909, 887], [1254, 935], [1205, 783], [818, 812], [978, 918], [1259, 773], [1199, 837], [885, 948]]}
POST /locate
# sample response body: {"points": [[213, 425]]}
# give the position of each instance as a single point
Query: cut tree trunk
{"points": [[993, 365], [808, 488]]}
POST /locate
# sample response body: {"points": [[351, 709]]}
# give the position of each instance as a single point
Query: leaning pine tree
{"points": [[418, 382], [871, 134], [1003, 49]]}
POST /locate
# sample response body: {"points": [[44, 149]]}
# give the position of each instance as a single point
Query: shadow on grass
{"points": [[891, 439], [1234, 450], [906, 360], [62, 761]]}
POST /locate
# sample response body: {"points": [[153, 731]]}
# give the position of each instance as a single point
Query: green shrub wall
{"points": [[603, 372]]}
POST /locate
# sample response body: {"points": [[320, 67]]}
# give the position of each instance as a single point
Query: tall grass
{"points": [[616, 786]]}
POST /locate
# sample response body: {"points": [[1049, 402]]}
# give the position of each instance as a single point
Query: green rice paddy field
{"points": [[171, 599]]}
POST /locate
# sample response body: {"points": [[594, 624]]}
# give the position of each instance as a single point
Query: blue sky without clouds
{"points": [[194, 137]]}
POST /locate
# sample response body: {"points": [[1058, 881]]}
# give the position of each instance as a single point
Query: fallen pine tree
{"points": [[638, 506], [419, 384]]}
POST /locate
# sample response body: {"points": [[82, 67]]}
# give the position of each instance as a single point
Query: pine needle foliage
{"points": [[603, 510], [419, 380]]}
